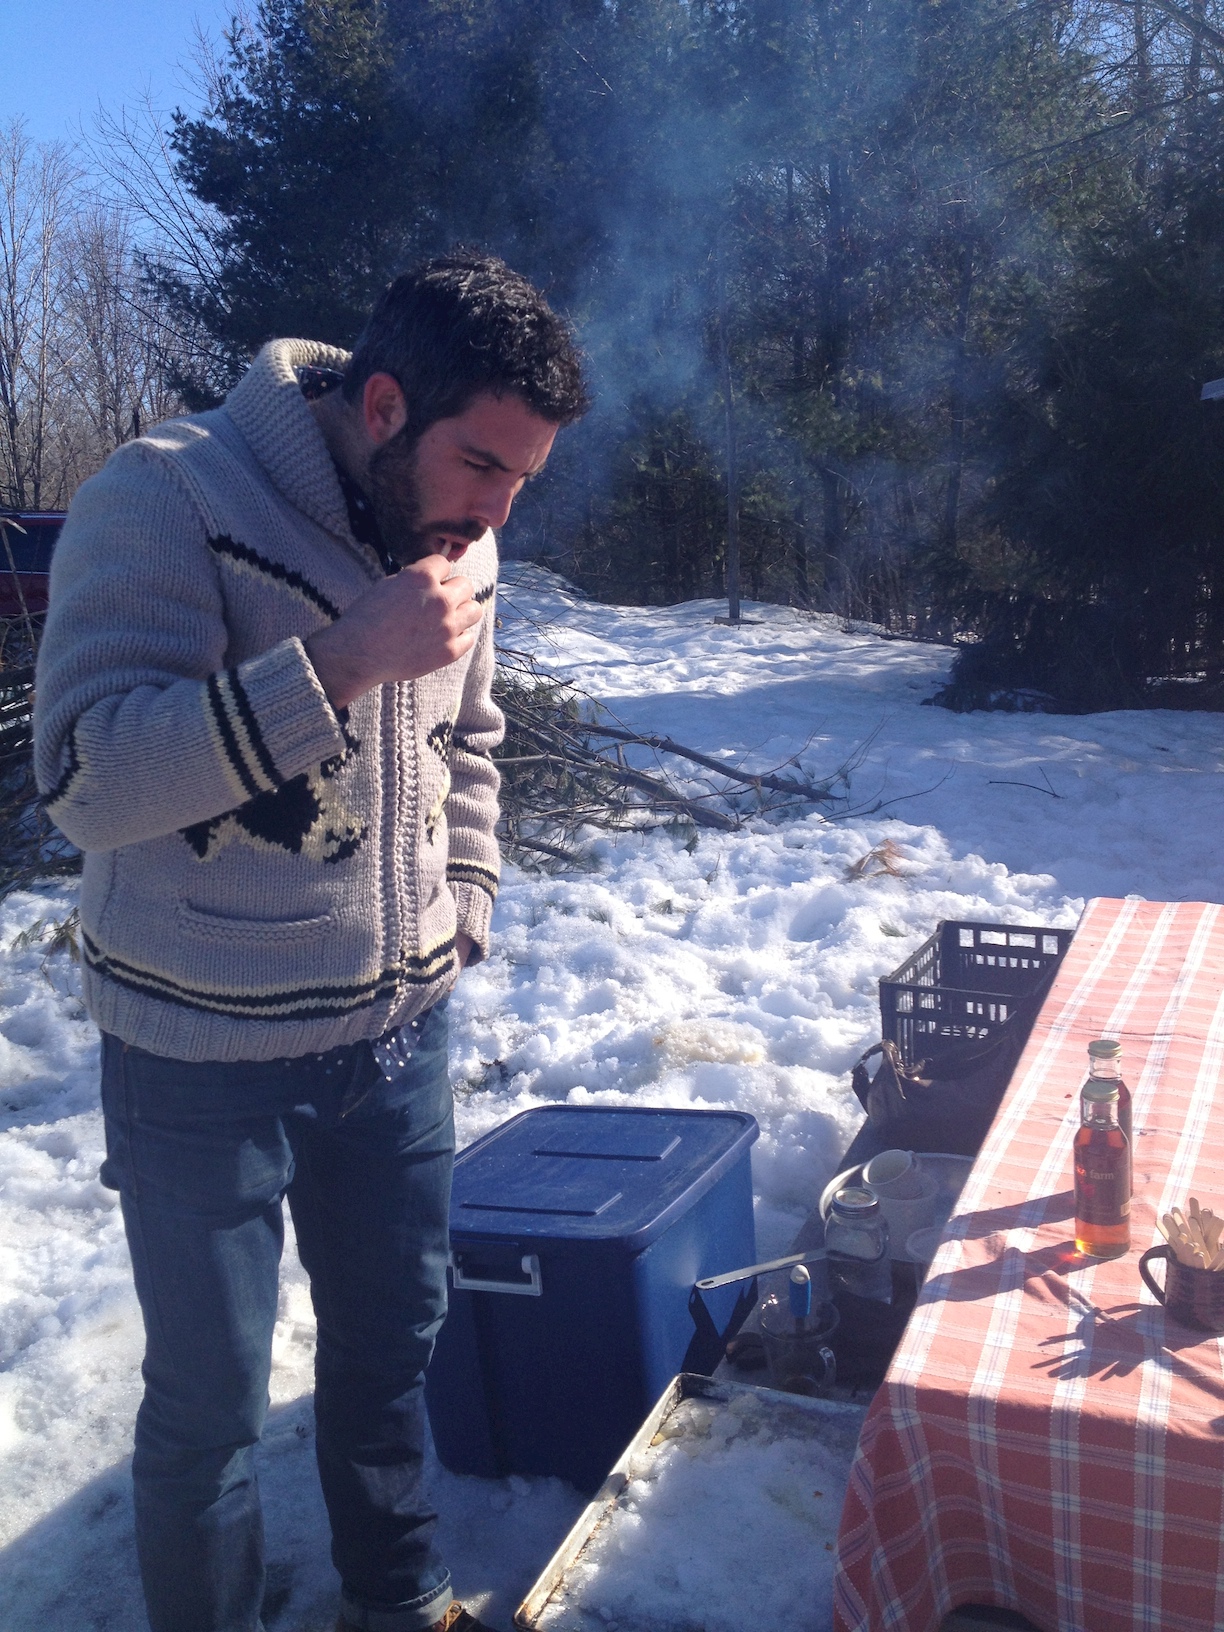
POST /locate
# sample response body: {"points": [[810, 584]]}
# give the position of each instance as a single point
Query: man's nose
{"points": [[495, 502]]}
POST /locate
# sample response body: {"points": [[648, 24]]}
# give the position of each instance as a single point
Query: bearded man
{"points": [[264, 716]]}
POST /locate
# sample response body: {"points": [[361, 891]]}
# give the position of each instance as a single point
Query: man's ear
{"points": [[383, 410]]}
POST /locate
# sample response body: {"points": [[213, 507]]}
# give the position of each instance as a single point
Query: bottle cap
{"points": [[852, 1202], [1105, 1048], [1100, 1093]]}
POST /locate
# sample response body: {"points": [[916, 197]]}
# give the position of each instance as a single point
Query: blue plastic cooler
{"points": [[576, 1236]]}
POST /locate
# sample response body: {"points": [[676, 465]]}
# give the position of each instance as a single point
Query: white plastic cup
{"points": [[920, 1247], [905, 1214], [895, 1174]]}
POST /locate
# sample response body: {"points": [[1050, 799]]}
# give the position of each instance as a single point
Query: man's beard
{"points": [[395, 497]]}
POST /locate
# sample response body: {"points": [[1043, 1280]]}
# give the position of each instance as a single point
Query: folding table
{"points": [[1046, 1440]]}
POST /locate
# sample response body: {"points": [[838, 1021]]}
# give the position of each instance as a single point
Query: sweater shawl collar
{"points": [[277, 424]]}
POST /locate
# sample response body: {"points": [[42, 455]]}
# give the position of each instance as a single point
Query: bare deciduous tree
{"points": [[177, 235], [87, 353], [112, 341], [36, 187]]}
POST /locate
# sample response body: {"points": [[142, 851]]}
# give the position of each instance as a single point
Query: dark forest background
{"points": [[916, 295]]}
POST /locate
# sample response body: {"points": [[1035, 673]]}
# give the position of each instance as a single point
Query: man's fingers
{"points": [[461, 633], [406, 626], [433, 566], [457, 589]]}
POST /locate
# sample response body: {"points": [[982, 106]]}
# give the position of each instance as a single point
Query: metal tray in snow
{"points": [[950, 1174], [835, 1423]]}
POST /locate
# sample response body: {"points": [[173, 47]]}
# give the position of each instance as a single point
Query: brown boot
{"points": [[456, 1619]]}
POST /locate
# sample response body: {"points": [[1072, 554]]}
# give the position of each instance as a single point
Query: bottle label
{"points": [[1102, 1191]]}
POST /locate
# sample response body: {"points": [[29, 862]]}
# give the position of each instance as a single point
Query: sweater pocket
{"points": [[211, 927]]}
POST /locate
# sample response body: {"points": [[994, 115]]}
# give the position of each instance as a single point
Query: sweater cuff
{"points": [[473, 915], [288, 725]]}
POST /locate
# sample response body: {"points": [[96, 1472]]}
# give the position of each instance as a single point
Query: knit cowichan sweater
{"points": [[263, 876]]}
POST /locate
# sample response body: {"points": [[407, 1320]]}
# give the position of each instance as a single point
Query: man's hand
{"points": [[464, 945], [407, 626]]}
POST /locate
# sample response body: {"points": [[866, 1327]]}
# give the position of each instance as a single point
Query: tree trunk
{"points": [[733, 497], [1143, 88], [1194, 68], [834, 537], [834, 347], [803, 587], [956, 451]]}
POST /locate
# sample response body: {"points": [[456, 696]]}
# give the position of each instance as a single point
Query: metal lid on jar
{"points": [[1100, 1093], [854, 1202], [1105, 1048]]}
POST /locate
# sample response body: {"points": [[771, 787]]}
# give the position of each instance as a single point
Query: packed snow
{"points": [[700, 969], [729, 1522]]}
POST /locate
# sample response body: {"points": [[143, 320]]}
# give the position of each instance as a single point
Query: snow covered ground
{"points": [[731, 970], [728, 1520]]}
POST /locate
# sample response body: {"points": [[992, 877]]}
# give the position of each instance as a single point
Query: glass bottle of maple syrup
{"points": [[1105, 1065], [1102, 1175]]}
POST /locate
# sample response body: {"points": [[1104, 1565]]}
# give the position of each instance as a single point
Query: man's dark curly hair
{"points": [[462, 324]]}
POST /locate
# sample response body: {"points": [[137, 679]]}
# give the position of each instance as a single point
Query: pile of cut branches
{"points": [[567, 765], [31, 846]]}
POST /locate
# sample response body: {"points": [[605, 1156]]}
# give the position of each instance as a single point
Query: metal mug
{"points": [[799, 1362], [1192, 1296]]}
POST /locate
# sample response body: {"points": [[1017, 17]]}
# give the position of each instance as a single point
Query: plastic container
{"points": [[963, 984], [577, 1234]]}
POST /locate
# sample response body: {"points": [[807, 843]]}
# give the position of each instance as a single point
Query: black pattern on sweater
{"points": [[239, 734], [471, 872], [464, 745], [245, 556], [324, 1001], [303, 817], [69, 773]]}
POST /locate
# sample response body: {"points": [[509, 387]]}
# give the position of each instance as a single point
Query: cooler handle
{"points": [[532, 1287]]}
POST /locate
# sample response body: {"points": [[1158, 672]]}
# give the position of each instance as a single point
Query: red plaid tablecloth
{"points": [[1045, 1440]]}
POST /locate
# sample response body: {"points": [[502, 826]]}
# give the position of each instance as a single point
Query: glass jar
{"points": [[856, 1241]]}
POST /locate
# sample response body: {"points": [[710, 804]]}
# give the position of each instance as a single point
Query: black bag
{"points": [[946, 1104], [868, 1332]]}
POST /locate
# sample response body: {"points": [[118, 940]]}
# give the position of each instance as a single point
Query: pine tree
{"points": [[1109, 502], [307, 152]]}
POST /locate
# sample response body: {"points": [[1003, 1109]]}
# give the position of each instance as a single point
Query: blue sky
{"points": [[59, 58]]}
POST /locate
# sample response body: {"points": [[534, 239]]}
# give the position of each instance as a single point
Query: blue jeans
{"points": [[202, 1156]]}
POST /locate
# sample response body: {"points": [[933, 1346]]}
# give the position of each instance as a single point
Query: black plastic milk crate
{"points": [[962, 984]]}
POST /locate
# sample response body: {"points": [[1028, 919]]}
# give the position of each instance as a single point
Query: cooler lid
{"points": [[587, 1173]]}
